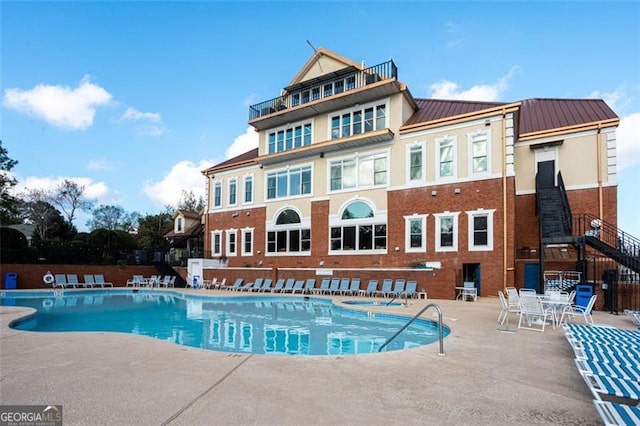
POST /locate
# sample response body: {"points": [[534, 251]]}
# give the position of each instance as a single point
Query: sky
{"points": [[132, 100]]}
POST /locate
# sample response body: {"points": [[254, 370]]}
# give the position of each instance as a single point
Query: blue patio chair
{"points": [[266, 286], [371, 289], [386, 287], [236, 285], [410, 290], [277, 288], [72, 279], [288, 286], [298, 287], [324, 286], [610, 386], [61, 281], [616, 371], [89, 281], [354, 287], [334, 287], [99, 279], [397, 288], [309, 285], [344, 286]]}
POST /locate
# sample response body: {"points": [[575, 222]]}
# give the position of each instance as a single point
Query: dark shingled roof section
{"points": [[247, 156], [545, 114], [435, 109]]}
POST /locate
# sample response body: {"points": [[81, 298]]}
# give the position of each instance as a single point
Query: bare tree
{"points": [[189, 202], [37, 211], [69, 198], [113, 218]]}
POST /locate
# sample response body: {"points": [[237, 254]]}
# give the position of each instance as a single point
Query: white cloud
{"points": [[628, 141], [60, 106], [243, 143], [617, 100], [148, 123], [99, 164], [184, 175], [445, 89], [98, 191]]}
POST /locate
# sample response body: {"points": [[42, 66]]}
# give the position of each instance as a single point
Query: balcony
{"points": [[328, 92]]}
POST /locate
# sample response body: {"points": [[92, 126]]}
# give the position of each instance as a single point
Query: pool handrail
{"points": [[440, 333]]}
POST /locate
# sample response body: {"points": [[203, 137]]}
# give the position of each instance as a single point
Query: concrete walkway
{"points": [[487, 377]]}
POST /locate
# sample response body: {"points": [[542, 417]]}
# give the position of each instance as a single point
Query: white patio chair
{"points": [[506, 309], [533, 313]]}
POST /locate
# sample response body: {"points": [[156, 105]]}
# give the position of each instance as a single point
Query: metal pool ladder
{"points": [[440, 333]]}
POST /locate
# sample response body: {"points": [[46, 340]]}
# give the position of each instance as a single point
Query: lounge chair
{"points": [[334, 287], [90, 282], [136, 281], [386, 287], [72, 280], [371, 289], [397, 288], [354, 287], [616, 371], [257, 285], [99, 279], [266, 286], [614, 414], [410, 290], [61, 281], [634, 316], [309, 286], [610, 386], [246, 286], [236, 284], [298, 287], [324, 286], [221, 285], [277, 288], [344, 286], [288, 287]]}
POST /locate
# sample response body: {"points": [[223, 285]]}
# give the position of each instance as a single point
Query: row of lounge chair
{"points": [[153, 281], [608, 359], [332, 286], [71, 280]]}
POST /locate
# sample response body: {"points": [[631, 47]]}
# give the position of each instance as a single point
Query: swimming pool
{"points": [[251, 324]]}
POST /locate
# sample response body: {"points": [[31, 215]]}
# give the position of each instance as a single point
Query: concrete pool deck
{"points": [[487, 377]]}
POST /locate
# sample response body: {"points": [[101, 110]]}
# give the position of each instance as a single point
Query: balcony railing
{"points": [[324, 87]]}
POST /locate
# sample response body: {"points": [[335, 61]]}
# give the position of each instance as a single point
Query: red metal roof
{"points": [[546, 114], [242, 158], [435, 109]]}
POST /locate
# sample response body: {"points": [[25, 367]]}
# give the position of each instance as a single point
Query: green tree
{"points": [[36, 211], [8, 203], [189, 202], [151, 231], [113, 218]]}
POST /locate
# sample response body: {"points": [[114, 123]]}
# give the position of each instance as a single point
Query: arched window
{"points": [[359, 229], [289, 234]]}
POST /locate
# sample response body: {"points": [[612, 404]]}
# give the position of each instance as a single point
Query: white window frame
{"points": [[423, 148], [217, 184], [454, 152], [284, 129], [228, 251], [359, 158], [471, 138], [351, 111], [245, 232], [246, 179], [270, 226], [214, 234], [437, 232], [407, 232], [232, 192], [288, 172], [476, 213], [379, 218], [179, 225]]}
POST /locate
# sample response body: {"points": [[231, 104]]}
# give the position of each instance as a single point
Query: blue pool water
{"points": [[371, 303], [252, 324]]}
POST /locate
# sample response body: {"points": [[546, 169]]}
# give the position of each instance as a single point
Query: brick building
{"points": [[354, 177]]}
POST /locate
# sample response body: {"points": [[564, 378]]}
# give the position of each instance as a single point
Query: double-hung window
{"points": [[481, 230], [446, 231], [415, 233], [217, 194], [479, 150], [232, 242], [247, 241], [216, 243], [416, 162], [289, 138], [233, 191], [248, 189], [446, 157]]}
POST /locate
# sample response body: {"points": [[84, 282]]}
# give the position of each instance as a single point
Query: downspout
{"points": [[504, 198], [599, 159]]}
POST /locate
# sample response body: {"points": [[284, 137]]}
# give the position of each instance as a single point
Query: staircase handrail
{"points": [[606, 232], [566, 207]]}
